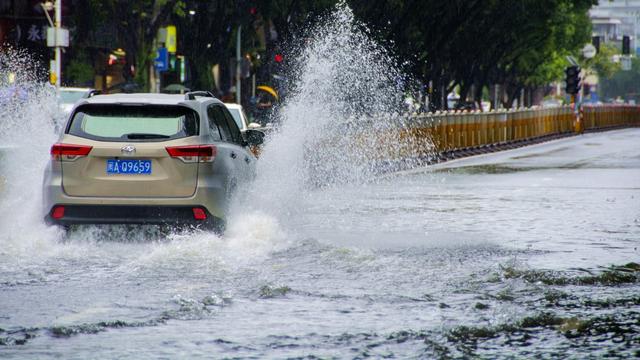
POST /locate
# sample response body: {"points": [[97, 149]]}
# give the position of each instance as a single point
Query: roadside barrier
{"points": [[595, 118], [455, 134]]}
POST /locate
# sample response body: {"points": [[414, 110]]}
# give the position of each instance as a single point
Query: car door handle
{"points": [[233, 155]]}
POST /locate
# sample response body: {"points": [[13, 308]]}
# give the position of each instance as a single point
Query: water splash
{"points": [[342, 122], [247, 240], [31, 123], [30, 118]]}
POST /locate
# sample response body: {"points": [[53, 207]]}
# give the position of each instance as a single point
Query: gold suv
{"points": [[147, 159]]}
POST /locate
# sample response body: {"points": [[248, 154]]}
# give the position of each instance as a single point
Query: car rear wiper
{"points": [[145, 136]]}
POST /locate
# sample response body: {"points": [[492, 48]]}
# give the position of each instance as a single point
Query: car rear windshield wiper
{"points": [[145, 136]]}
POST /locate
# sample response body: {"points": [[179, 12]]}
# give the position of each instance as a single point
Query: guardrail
{"points": [[455, 133], [596, 117]]}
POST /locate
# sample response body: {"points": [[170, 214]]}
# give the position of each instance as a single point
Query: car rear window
{"points": [[134, 122]]}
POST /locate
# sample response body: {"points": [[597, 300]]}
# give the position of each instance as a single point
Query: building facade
{"points": [[614, 19]]}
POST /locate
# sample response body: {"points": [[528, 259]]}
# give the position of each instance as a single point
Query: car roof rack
{"points": [[191, 95], [92, 93]]}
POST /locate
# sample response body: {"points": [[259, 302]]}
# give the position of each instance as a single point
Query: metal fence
{"points": [[458, 131], [610, 116]]}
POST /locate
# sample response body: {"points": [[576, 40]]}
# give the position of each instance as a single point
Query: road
{"points": [[526, 253]]}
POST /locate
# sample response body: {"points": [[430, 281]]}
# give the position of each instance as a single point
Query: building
{"points": [[23, 25], [614, 19]]}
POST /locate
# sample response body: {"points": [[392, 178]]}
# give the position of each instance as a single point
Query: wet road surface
{"points": [[529, 253]]}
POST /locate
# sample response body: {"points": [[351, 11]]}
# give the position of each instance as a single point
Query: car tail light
{"points": [[199, 214], [57, 212], [69, 152], [193, 153]]}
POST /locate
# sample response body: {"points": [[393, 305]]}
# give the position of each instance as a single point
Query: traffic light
{"points": [[573, 79], [626, 45], [595, 41], [278, 58]]}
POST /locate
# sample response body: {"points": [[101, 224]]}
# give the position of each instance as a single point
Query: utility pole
{"points": [[238, 66], [57, 37], [58, 25]]}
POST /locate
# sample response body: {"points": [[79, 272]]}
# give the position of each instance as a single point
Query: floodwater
{"points": [[527, 253]]}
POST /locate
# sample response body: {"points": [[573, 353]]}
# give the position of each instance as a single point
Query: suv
{"points": [[147, 159]]}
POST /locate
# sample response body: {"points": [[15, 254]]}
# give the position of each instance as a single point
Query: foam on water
{"points": [[245, 242]]}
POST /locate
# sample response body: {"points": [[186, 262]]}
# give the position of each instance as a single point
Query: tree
{"points": [[459, 44], [205, 37], [623, 84], [471, 44], [603, 63], [209, 35], [135, 23]]}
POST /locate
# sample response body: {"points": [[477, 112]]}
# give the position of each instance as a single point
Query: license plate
{"points": [[138, 167]]}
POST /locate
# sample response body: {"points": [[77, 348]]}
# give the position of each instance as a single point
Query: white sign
{"points": [[57, 37], [589, 51]]}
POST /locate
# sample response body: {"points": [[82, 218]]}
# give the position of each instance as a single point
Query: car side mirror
{"points": [[253, 137]]}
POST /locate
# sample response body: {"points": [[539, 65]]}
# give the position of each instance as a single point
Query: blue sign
{"points": [[161, 62]]}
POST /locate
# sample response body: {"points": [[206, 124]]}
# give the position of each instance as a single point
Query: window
{"points": [[233, 127], [237, 117], [220, 120], [133, 122], [218, 123], [214, 130]]}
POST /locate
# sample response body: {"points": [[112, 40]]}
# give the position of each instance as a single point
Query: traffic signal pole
{"points": [[577, 111], [573, 88], [54, 39], [58, 52], [238, 66]]}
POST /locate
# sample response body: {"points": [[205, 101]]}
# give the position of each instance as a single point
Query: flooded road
{"points": [[529, 253]]}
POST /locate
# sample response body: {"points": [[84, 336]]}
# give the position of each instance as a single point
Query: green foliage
{"points": [[569, 28], [135, 24], [180, 9], [79, 71], [550, 70], [603, 63], [468, 44], [623, 84], [475, 42]]}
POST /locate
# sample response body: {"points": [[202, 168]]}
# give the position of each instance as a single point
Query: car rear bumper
{"points": [[132, 214], [210, 194]]}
